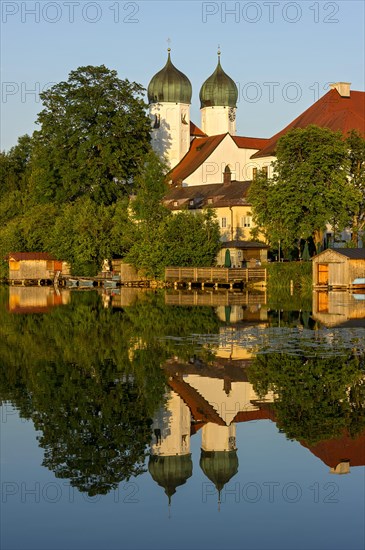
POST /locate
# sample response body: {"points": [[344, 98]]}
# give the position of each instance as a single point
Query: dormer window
{"points": [[210, 201], [191, 202], [175, 203]]}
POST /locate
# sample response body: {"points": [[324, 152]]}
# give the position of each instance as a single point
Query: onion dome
{"points": [[169, 85], [219, 90], [170, 471], [219, 466]]}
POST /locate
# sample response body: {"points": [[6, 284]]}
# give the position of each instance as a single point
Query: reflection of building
{"points": [[339, 309], [36, 299], [206, 397], [212, 398], [170, 463], [340, 453]]}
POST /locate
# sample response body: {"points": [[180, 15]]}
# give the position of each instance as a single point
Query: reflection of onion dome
{"points": [[219, 90], [170, 471], [169, 85], [219, 466]]}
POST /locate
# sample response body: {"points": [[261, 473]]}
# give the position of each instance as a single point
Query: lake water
{"points": [[143, 420]]}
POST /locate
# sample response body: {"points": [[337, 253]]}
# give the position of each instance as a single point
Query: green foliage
{"points": [[279, 274], [94, 135], [15, 166], [192, 239], [310, 187], [356, 147], [316, 398], [90, 379], [81, 235], [156, 238]]}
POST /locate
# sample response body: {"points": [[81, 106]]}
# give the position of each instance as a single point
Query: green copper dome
{"points": [[170, 471], [219, 466], [219, 90], [169, 85]]}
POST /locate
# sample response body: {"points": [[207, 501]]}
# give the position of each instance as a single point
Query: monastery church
{"points": [[210, 165]]}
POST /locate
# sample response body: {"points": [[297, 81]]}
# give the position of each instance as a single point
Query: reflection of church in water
{"points": [[212, 398]]}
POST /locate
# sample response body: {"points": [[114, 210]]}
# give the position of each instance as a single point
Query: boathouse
{"points": [[339, 268], [35, 266]]}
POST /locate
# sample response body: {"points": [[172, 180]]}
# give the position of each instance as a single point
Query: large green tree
{"points": [[309, 189], [94, 134], [356, 148]]}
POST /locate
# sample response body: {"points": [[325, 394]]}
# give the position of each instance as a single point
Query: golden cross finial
{"points": [[219, 50], [169, 44]]}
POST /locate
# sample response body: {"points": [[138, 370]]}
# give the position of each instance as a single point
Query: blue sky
{"points": [[282, 55]]}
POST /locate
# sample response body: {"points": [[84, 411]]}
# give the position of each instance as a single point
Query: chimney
{"points": [[227, 175], [343, 88]]}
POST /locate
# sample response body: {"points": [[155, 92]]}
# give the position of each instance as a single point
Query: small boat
{"points": [[358, 283], [86, 283], [113, 282], [72, 282]]}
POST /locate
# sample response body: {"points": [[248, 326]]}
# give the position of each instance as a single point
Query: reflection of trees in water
{"points": [[316, 398], [90, 379]]}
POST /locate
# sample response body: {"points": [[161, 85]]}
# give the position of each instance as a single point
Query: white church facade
{"points": [[211, 165]]}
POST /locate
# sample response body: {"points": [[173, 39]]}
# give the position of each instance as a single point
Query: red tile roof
{"points": [[195, 131], [249, 142], [331, 111], [200, 150], [19, 256]]}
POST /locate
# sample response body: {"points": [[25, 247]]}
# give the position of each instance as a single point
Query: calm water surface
{"points": [[141, 420]]}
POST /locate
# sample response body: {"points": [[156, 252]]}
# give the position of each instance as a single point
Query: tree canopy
{"points": [[310, 187], [94, 134]]}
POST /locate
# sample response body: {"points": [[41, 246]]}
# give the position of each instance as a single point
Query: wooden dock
{"points": [[214, 276], [213, 298]]}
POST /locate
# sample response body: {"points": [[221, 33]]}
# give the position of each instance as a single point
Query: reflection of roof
{"points": [[200, 150], [248, 416], [199, 407], [331, 111], [345, 448], [221, 369], [214, 194], [19, 256]]}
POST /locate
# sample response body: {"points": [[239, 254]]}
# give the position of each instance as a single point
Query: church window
{"points": [[265, 171], [224, 222], [254, 173], [246, 221]]}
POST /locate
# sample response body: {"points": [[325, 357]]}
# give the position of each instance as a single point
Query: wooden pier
{"points": [[213, 298], [216, 277]]}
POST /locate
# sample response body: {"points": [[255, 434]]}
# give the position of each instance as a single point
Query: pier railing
{"points": [[214, 274]]}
